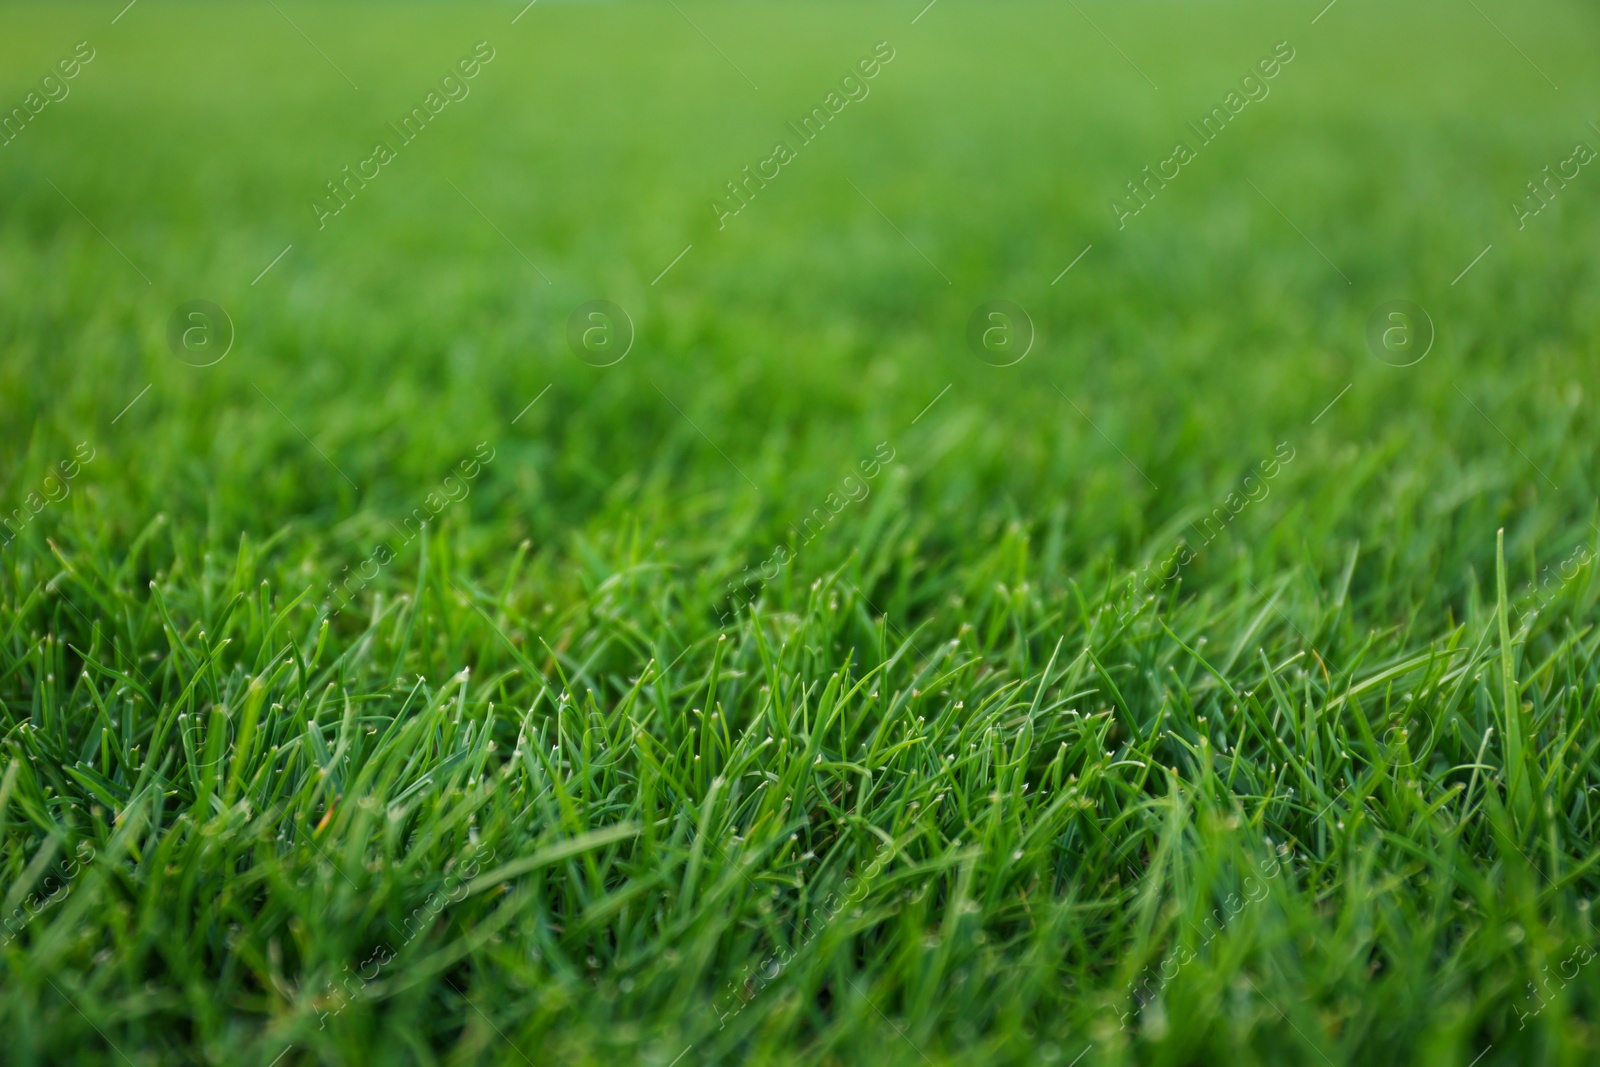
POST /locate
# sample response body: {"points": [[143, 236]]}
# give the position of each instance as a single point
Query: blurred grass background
{"points": [[808, 329]]}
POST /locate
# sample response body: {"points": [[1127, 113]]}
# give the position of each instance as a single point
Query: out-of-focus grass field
{"points": [[965, 780]]}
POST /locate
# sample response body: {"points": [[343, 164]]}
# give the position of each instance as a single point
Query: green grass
{"points": [[965, 781]]}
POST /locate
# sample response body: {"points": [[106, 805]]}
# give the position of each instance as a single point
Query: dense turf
{"points": [[801, 687]]}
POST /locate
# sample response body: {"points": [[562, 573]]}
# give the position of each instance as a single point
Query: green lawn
{"points": [[406, 659]]}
